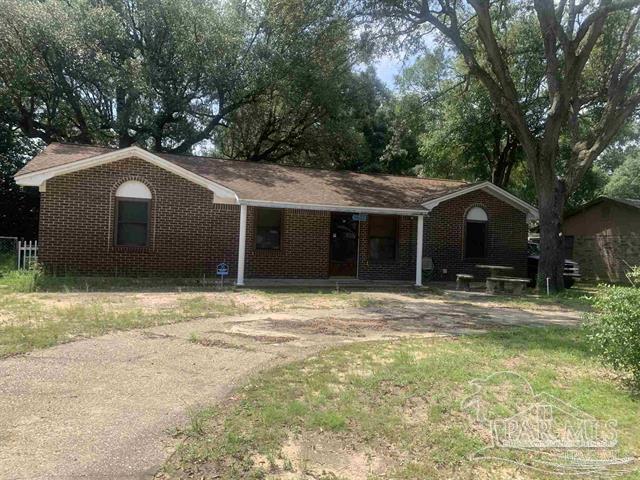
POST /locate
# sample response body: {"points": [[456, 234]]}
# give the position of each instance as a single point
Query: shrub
{"points": [[7, 261], [23, 281], [614, 328]]}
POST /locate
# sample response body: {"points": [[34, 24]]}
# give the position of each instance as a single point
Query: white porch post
{"points": [[242, 244], [419, 250]]}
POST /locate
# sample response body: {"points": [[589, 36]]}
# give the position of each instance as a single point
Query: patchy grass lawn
{"points": [[42, 319], [31, 321], [397, 410], [579, 297], [39, 311]]}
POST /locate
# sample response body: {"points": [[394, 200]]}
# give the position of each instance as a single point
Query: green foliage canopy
{"points": [[166, 74], [625, 181]]}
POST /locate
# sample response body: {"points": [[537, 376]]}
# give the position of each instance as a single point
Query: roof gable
{"points": [[490, 188], [53, 165]]}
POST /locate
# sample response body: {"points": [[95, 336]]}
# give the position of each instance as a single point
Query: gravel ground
{"points": [[106, 407]]}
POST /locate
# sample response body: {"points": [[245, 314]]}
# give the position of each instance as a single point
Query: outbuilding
{"points": [[603, 236]]}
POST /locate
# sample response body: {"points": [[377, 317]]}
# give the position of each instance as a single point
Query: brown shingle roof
{"points": [[278, 183], [57, 154]]}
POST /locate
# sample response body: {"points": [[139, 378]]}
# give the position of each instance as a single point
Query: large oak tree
{"points": [[589, 51], [165, 74], [462, 134]]}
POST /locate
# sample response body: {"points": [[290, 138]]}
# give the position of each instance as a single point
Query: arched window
{"points": [[475, 237], [133, 206]]}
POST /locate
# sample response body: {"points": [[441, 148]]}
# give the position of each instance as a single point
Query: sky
{"points": [[390, 65], [387, 68]]}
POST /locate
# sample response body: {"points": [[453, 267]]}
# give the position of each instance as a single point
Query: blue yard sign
{"points": [[222, 270]]}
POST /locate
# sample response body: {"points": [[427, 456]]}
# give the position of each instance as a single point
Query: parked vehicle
{"points": [[571, 268]]}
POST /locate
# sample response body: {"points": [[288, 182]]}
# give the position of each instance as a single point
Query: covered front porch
{"points": [[283, 244]]}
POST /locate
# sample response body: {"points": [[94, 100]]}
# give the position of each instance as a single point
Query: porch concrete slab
{"points": [[331, 282]]}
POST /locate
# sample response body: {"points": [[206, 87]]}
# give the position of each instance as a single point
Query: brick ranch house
{"points": [[129, 212]]}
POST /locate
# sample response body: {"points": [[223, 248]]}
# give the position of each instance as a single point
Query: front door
{"points": [[343, 256]]}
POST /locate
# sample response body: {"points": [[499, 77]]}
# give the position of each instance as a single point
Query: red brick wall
{"points": [[304, 247], [189, 234], [403, 267], [444, 236]]}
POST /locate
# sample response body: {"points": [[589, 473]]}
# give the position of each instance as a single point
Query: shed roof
{"points": [[629, 202], [632, 202]]}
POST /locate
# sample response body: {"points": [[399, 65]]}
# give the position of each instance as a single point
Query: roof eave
{"points": [[529, 210], [334, 208], [39, 177]]}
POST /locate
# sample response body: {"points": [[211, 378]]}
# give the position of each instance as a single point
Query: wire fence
{"points": [[8, 254]]}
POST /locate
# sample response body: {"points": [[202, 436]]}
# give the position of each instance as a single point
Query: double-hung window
{"points": [[383, 237], [133, 211], [268, 228]]}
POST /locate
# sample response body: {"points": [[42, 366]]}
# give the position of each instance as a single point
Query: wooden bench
{"points": [[463, 280], [499, 283]]}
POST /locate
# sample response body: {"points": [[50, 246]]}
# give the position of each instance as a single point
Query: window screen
{"points": [[268, 228], [132, 223], [383, 231]]}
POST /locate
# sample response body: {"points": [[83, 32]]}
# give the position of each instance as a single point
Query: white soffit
{"points": [[333, 208]]}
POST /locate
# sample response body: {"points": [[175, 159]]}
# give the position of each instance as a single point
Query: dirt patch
{"points": [[514, 362], [257, 338], [330, 326], [6, 319], [324, 455], [416, 411], [214, 342], [159, 302]]}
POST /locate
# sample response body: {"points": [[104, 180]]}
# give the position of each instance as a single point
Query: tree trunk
{"points": [[122, 119], [504, 161], [551, 199]]}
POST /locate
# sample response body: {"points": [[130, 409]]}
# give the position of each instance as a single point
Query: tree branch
{"points": [[601, 14]]}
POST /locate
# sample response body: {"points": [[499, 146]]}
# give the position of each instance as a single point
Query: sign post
{"points": [[222, 271]]}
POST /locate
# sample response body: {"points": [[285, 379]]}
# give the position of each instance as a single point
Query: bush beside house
{"points": [[614, 327]]}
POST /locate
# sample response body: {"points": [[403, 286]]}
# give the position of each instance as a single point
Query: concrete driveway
{"points": [[106, 407]]}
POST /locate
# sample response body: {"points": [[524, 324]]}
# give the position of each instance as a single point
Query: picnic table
{"points": [[495, 270], [496, 281]]}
